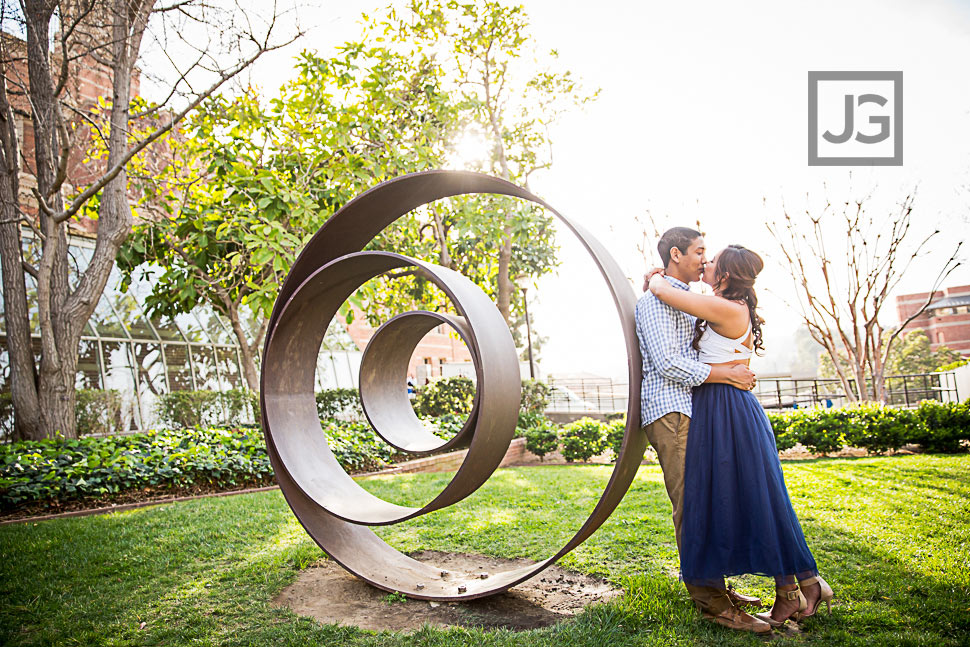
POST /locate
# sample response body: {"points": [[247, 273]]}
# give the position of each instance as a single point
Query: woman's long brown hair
{"points": [[737, 268]]}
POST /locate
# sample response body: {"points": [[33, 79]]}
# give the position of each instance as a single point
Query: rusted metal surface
{"points": [[384, 371], [333, 509]]}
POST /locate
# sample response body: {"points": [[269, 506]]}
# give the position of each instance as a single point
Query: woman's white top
{"points": [[717, 349]]}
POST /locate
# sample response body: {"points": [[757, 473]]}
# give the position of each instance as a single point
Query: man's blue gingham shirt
{"points": [[670, 366]]}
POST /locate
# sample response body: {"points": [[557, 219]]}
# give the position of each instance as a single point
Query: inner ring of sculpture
{"points": [[329, 504], [383, 371]]}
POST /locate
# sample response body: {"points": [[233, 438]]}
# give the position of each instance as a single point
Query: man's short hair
{"points": [[679, 237]]}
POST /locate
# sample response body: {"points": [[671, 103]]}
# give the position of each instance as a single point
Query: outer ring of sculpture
{"points": [[357, 548]]}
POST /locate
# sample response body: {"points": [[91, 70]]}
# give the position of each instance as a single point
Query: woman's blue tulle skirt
{"points": [[737, 514]]}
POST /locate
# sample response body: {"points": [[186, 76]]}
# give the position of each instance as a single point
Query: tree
{"points": [[841, 301], [381, 107], [254, 183], [510, 96], [910, 356], [107, 36]]}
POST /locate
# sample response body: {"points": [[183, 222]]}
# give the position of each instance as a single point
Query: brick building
{"points": [[439, 347], [946, 320], [88, 81]]}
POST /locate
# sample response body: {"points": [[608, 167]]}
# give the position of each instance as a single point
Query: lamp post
{"points": [[523, 283]]}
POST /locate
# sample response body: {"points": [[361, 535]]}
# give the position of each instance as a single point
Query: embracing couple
{"points": [[732, 514]]}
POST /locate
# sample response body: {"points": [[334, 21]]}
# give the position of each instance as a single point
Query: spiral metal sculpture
{"points": [[332, 507]]}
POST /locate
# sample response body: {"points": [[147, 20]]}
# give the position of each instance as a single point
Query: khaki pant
{"points": [[668, 436]]}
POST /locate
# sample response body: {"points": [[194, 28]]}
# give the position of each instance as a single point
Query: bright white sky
{"points": [[702, 115]]}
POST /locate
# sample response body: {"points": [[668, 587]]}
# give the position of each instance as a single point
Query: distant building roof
{"points": [[950, 302]]}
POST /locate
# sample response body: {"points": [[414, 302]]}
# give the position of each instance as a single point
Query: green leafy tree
{"points": [[258, 181], [255, 183], [914, 355], [510, 95]]}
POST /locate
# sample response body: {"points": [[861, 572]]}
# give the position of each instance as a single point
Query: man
{"points": [[670, 371]]}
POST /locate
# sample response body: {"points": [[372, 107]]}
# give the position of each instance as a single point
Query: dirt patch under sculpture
{"points": [[328, 593]]}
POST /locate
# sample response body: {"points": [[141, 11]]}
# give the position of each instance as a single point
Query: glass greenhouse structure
{"points": [[143, 357]]}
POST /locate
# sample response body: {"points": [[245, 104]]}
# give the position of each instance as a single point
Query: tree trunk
{"points": [[247, 349], [62, 313], [23, 377], [57, 397], [504, 278], [878, 369], [58, 360], [44, 396], [831, 349], [441, 237]]}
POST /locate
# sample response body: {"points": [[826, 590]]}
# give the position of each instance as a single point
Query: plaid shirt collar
{"points": [[677, 283]]}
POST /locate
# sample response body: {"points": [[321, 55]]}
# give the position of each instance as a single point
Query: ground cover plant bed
{"points": [[889, 533], [51, 476]]}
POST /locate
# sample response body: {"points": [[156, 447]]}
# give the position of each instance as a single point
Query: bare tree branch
{"points": [[112, 173]]}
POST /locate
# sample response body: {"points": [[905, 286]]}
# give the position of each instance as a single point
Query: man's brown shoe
{"points": [[742, 600], [735, 618]]}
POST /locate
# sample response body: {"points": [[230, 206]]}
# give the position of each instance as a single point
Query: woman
{"points": [[737, 514]]}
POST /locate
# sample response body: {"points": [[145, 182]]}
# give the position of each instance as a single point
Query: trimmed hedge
{"points": [[339, 403], [944, 426], [935, 426], [97, 411]]}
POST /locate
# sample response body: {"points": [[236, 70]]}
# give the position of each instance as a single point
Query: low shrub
{"points": [[945, 426], [823, 431], [188, 409], [583, 439], [239, 405], [785, 437], [342, 404], [878, 428], [447, 395], [97, 411], [542, 439], [615, 433], [528, 420], [357, 446], [936, 426], [535, 396]]}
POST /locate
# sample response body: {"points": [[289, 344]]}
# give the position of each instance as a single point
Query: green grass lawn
{"points": [[891, 535]]}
